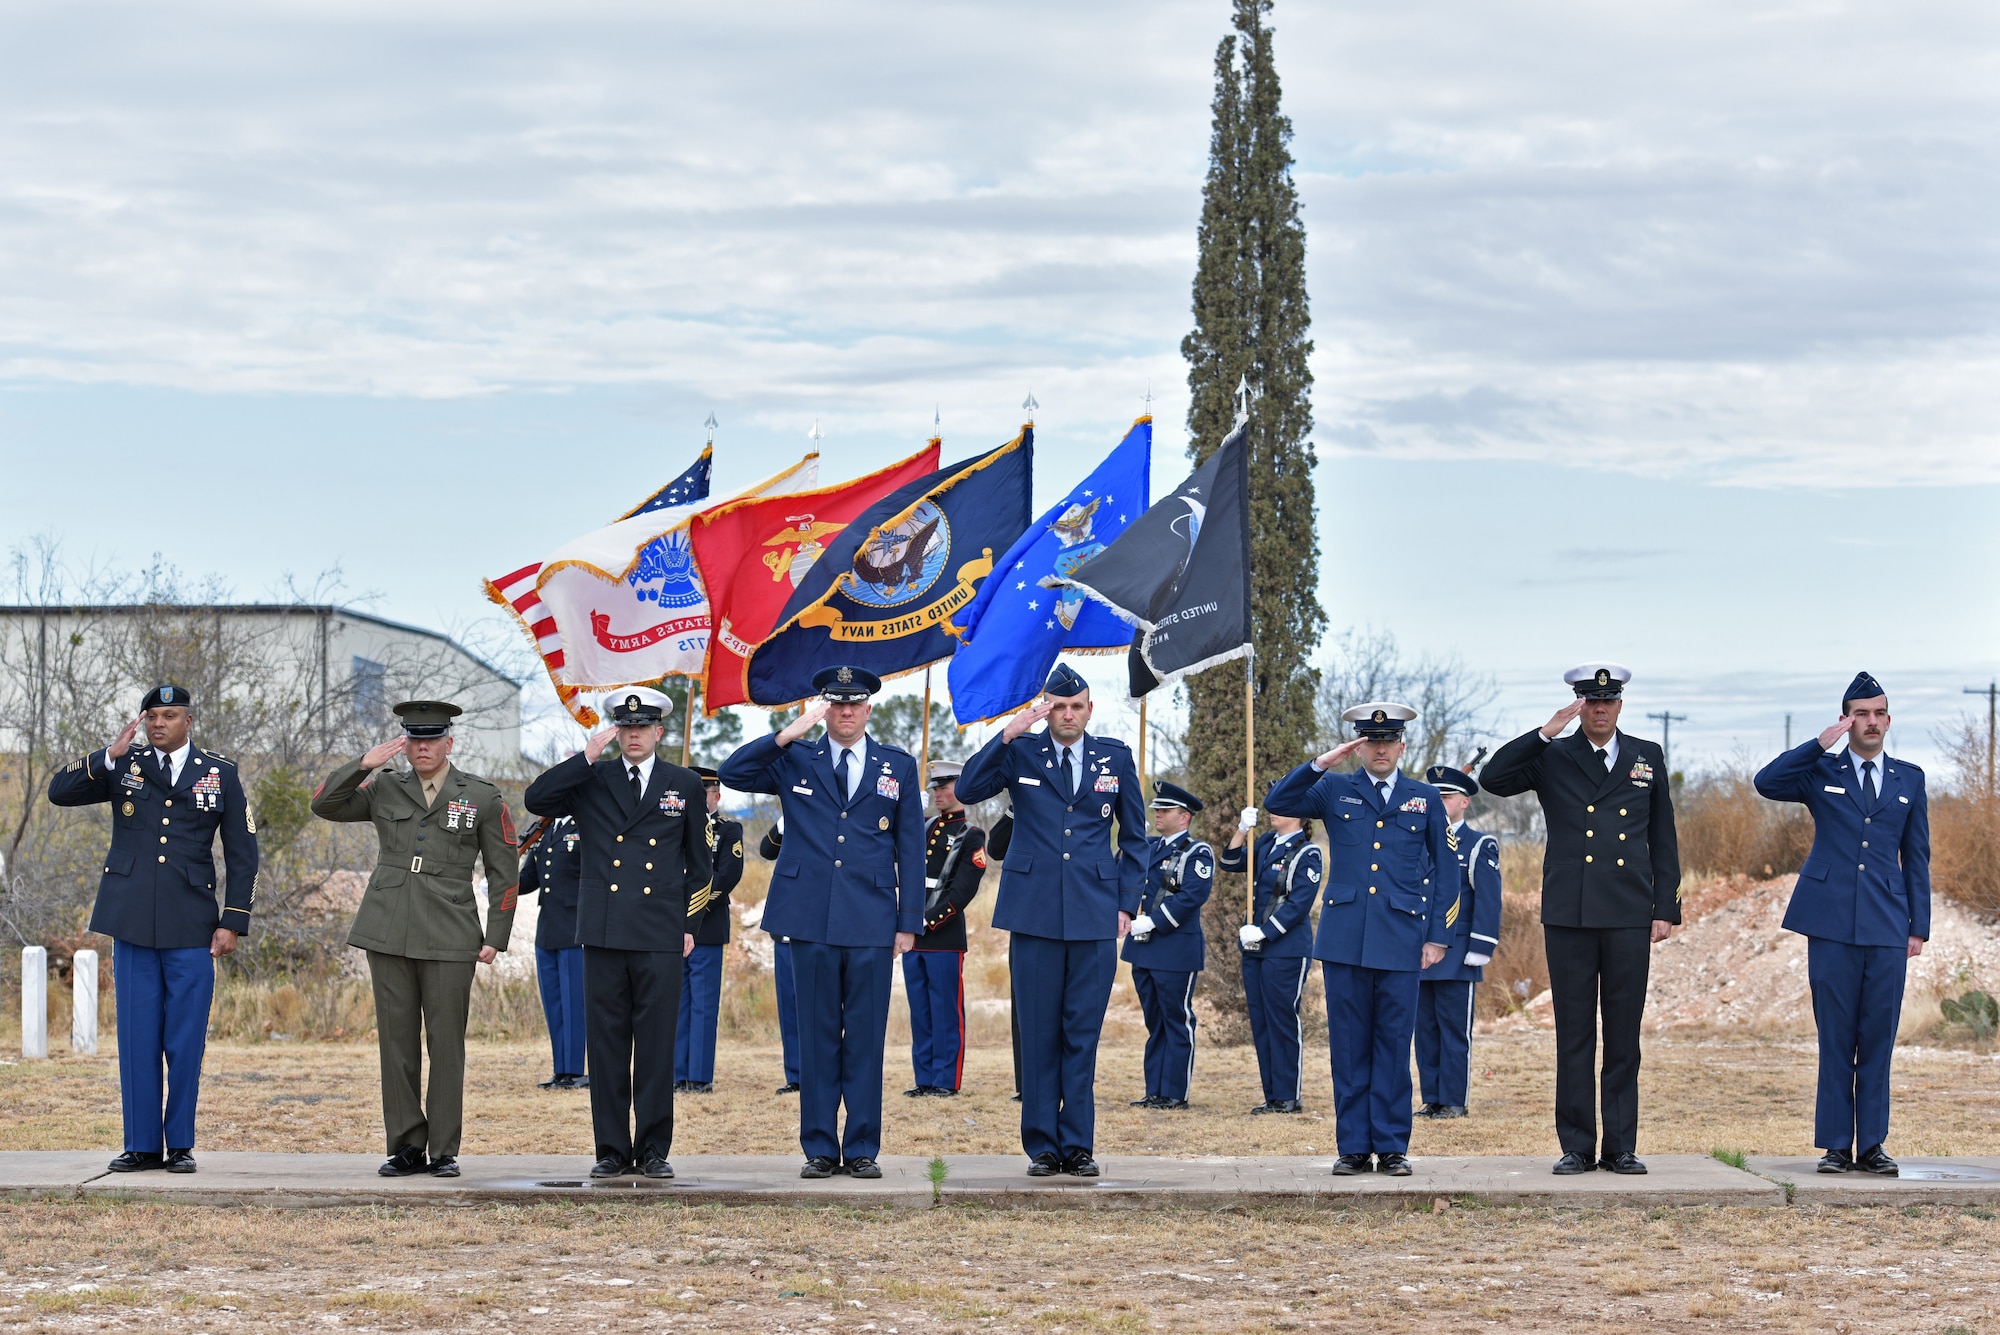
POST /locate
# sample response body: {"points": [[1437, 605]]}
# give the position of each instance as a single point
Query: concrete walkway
{"points": [[1000, 1180]]}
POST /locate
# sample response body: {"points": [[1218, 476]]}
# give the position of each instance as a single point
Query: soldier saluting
{"points": [[419, 921], [156, 902]]}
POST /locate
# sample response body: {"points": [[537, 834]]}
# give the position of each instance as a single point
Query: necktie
{"points": [[638, 788], [1603, 757], [1069, 770], [167, 769], [1382, 787], [846, 768], [1868, 781]]}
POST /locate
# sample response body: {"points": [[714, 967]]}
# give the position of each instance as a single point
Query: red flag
{"points": [[752, 553]]}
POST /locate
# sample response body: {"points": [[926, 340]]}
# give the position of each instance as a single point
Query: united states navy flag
{"points": [[884, 593], [1014, 629]]}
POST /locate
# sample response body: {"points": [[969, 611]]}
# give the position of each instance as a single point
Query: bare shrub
{"points": [[1965, 823], [1726, 829], [1520, 968]]}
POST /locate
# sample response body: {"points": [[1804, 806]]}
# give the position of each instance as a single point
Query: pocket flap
{"points": [[1019, 861], [1340, 894], [118, 862], [1108, 869]]}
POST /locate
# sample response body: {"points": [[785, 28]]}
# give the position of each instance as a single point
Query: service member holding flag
{"points": [[1166, 948], [1277, 946], [1444, 1002]]}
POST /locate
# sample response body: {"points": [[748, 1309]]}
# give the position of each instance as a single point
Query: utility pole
{"points": [[1788, 732], [1667, 719], [1992, 693]]}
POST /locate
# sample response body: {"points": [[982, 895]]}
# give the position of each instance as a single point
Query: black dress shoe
{"points": [[609, 1166], [1395, 1165], [180, 1161], [657, 1167], [1080, 1164], [1267, 1106], [940, 1092], [1428, 1110], [405, 1162], [1573, 1163], [1044, 1165], [1837, 1161], [445, 1165], [680, 1086], [916, 1091], [701, 1087], [1288, 1106], [1172, 1105], [1626, 1162], [1447, 1111], [789, 1087], [864, 1167], [818, 1166], [1348, 1165], [573, 1082], [1017, 1096], [1150, 1101], [137, 1161], [552, 1082], [1876, 1162]]}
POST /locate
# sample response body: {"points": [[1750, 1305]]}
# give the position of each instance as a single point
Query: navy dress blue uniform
{"points": [[850, 876], [1180, 876], [1472, 924], [781, 974], [934, 970], [1289, 872], [701, 983], [1386, 896], [554, 869], [156, 900], [1062, 886], [644, 859], [1864, 891]]}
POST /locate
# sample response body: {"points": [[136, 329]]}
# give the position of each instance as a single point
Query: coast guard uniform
{"points": [[1167, 951], [1444, 999], [701, 983], [1386, 895], [1862, 896], [554, 868], [850, 877], [1062, 887], [1289, 872], [156, 901], [934, 970], [781, 972]]}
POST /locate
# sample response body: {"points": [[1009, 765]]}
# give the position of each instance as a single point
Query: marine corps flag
{"points": [[1181, 572], [883, 594]]}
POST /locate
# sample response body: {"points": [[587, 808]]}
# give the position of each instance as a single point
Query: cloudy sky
{"points": [[1666, 333]]}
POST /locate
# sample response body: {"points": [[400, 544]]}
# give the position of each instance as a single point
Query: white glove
{"points": [[781, 823], [1476, 960], [1248, 820], [1142, 927], [1249, 934]]}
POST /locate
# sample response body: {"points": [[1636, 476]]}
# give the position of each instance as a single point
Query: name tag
{"points": [[1904, 800], [1357, 801], [807, 791], [1835, 788], [1025, 779]]}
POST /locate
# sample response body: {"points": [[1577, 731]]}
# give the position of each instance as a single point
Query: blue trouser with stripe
{"points": [[1444, 1041], [1166, 996], [560, 973], [1370, 1016], [1061, 989], [163, 1000], [934, 981], [1272, 987], [1857, 997], [701, 1009], [788, 1006]]}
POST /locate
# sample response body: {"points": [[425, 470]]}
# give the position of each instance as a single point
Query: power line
{"points": [[1667, 719], [1992, 693]]}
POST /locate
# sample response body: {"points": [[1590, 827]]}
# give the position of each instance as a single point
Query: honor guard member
{"points": [[156, 901], [849, 891], [1165, 946], [1611, 880], [934, 969], [645, 859], [419, 921], [1067, 894], [1277, 945], [1387, 890], [781, 972], [552, 866], [1863, 903], [1472, 925], [701, 985]]}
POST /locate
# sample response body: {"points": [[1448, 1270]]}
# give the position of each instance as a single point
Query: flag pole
{"points": [[924, 770], [687, 730], [1142, 747], [1250, 781]]}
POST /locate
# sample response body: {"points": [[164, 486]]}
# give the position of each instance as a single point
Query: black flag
{"points": [[1181, 572]]}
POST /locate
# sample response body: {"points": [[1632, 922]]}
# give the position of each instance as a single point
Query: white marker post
{"points": [[34, 1002], [83, 1010]]}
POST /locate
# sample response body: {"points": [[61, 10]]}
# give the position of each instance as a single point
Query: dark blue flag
{"points": [[884, 593], [1014, 629], [686, 489]]}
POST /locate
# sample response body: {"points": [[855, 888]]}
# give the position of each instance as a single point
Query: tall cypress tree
{"points": [[1251, 323]]}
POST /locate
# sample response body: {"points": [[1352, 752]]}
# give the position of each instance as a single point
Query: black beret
{"points": [[166, 695], [1065, 682]]}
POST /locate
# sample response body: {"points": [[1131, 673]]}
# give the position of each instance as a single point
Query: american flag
{"points": [[686, 489]]}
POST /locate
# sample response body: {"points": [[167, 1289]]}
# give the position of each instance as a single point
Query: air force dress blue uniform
{"points": [[849, 877], [1864, 891], [555, 869], [1472, 925], [1180, 876], [1062, 886], [156, 900], [1289, 873]]}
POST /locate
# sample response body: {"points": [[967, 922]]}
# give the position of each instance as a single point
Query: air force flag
{"points": [[1014, 629]]}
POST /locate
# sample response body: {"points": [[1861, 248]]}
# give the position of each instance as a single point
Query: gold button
{"points": [[1621, 811], [621, 838], [1586, 857], [1374, 866], [170, 801], [614, 889], [163, 838], [163, 857], [1378, 843], [1590, 808], [165, 821], [1371, 889], [1621, 838], [649, 866], [652, 841], [1378, 824], [616, 862], [1590, 834], [649, 889], [1621, 862]]}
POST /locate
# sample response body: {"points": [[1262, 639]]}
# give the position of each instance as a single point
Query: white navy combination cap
{"points": [[1379, 720], [1598, 681], [629, 705]]}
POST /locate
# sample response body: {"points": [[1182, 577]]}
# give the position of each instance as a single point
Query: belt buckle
{"points": [[417, 863]]}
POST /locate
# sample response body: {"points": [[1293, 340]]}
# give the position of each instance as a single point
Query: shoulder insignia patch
{"points": [[249, 820], [979, 858], [739, 848], [507, 827], [1312, 874], [1202, 869]]}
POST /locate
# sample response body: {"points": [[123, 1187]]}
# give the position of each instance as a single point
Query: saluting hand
{"points": [[594, 747], [803, 724], [1562, 718], [1338, 754], [124, 740], [1027, 719], [1830, 736], [378, 756]]}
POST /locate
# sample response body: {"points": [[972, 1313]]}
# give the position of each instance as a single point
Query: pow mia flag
{"points": [[1181, 572]]}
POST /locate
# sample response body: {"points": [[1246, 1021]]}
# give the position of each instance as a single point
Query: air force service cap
{"points": [[426, 718], [1598, 681], [1379, 720], [1863, 687], [1064, 683], [1172, 795], [845, 685], [166, 695], [1448, 780], [638, 706]]}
